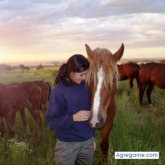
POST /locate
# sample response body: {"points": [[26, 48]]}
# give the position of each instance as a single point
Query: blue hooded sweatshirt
{"points": [[65, 100]]}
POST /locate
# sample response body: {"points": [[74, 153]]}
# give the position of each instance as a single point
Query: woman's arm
{"points": [[56, 116]]}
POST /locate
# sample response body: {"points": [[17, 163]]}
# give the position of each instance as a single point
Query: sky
{"points": [[50, 30]]}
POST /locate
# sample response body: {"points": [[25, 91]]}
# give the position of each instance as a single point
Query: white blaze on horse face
{"points": [[96, 103]]}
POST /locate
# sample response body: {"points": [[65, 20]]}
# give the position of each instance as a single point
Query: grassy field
{"points": [[136, 128]]}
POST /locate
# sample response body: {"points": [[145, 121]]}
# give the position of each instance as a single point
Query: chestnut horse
{"points": [[102, 79], [150, 75], [14, 98], [34, 96], [129, 71], [45, 93]]}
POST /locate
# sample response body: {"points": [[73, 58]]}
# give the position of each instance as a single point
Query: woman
{"points": [[69, 112]]}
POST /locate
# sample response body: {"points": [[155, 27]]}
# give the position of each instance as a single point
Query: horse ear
{"points": [[89, 51], [118, 54]]}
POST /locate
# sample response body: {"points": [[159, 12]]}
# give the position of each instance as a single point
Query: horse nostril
{"points": [[97, 125], [100, 124], [93, 125]]}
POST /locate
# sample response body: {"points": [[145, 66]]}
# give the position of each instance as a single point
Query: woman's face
{"points": [[77, 77]]}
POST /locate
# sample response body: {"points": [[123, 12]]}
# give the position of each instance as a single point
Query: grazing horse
{"points": [[150, 75], [45, 93], [102, 79], [129, 71], [14, 98], [33, 92]]}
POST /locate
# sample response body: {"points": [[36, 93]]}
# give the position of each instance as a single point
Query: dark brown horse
{"points": [[129, 71], [45, 93], [14, 98], [33, 92], [102, 78], [150, 75]]}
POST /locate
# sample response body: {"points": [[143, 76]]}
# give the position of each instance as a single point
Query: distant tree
{"points": [[23, 67], [40, 67], [5, 67], [27, 68]]}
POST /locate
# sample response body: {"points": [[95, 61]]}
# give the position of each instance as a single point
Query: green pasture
{"points": [[136, 128]]}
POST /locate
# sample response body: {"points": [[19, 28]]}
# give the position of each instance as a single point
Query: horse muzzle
{"points": [[97, 123]]}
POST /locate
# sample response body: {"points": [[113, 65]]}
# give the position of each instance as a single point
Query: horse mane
{"points": [[104, 58]]}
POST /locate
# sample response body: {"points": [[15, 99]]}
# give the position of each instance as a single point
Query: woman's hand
{"points": [[82, 115]]}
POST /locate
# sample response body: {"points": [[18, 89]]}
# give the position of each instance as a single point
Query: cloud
{"points": [[47, 25], [136, 6], [104, 8]]}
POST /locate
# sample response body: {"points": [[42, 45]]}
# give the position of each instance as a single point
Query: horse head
{"points": [[102, 79]]}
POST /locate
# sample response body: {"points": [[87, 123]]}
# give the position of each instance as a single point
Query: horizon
{"points": [[54, 30], [52, 62]]}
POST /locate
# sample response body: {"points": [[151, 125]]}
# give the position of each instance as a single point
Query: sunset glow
{"points": [[50, 30]]}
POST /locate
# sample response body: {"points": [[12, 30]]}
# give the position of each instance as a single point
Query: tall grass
{"points": [[136, 128]]}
